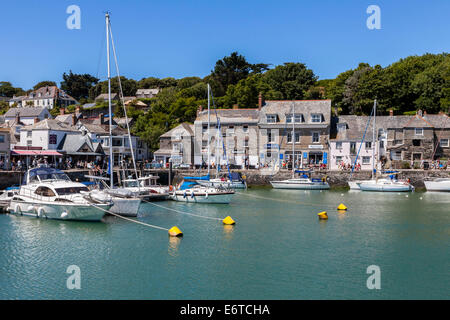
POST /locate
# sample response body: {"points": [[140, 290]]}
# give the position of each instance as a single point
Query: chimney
{"points": [[260, 101], [419, 112], [424, 113], [199, 109], [102, 118], [235, 106], [17, 117], [391, 112], [77, 109], [74, 119], [61, 111], [36, 120]]}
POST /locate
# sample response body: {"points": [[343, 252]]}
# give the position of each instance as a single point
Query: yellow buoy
{"points": [[228, 221], [323, 215], [342, 207], [175, 232]]}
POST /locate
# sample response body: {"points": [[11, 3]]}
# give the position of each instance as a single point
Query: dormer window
{"points": [[419, 131], [271, 118], [341, 127], [298, 118], [316, 118]]}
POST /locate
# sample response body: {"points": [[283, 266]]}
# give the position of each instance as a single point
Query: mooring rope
{"points": [[132, 220], [182, 212]]}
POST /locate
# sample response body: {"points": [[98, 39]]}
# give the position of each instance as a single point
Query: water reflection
{"points": [[228, 231], [174, 243]]}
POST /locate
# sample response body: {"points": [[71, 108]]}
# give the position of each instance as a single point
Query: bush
{"points": [[406, 165]]}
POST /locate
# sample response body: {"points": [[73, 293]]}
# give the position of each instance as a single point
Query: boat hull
{"points": [[125, 206], [441, 186], [223, 184], [385, 187], [59, 211], [300, 185], [218, 198]]}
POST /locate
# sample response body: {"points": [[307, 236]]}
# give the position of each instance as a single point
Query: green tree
{"points": [[78, 85], [7, 90], [44, 84]]}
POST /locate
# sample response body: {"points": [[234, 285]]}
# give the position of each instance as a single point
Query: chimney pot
{"points": [[235, 106], [391, 112], [61, 111], [260, 101]]}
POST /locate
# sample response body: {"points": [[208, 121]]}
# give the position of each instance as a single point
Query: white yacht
{"points": [[386, 185], [236, 181], [304, 182], [49, 193], [191, 191], [147, 188], [438, 184]]}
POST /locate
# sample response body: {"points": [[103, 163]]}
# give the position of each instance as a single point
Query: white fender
{"points": [[192, 194], [17, 209], [64, 215], [40, 212], [206, 195]]}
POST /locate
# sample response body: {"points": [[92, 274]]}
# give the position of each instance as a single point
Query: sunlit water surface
{"points": [[277, 250]]}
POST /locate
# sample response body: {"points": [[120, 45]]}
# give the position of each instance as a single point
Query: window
{"points": [[368, 145], [71, 190], [297, 118], [204, 128], [381, 144], [45, 192], [365, 160], [341, 127], [352, 147], [246, 142], [271, 118], [339, 145], [338, 160], [29, 143], [245, 128], [117, 142], [444, 143], [269, 136], [2, 138], [52, 139], [315, 137], [416, 142], [204, 144], [419, 131], [269, 154], [231, 128], [297, 137], [316, 118], [289, 137], [29, 134]]}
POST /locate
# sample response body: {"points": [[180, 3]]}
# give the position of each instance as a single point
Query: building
{"points": [[27, 115], [47, 97], [238, 135], [17, 101], [346, 142], [5, 148], [178, 145], [147, 93], [311, 120], [104, 97]]}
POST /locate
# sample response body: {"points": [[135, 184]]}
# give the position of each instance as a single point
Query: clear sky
{"points": [[175, 38]]}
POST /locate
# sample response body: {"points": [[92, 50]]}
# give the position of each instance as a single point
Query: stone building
{"points": [[178, 145], [237, 137], [310, 120]]}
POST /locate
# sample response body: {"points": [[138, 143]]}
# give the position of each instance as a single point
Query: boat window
{"points": [[131, 184], [44, 191], [71, 190], [53, 176]]}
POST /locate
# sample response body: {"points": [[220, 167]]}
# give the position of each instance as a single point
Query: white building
{"points": [[45, 97], [27, 116]]}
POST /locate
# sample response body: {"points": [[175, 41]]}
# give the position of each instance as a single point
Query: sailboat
{"points": [[304, 182], [193, 189], [125, 202]]}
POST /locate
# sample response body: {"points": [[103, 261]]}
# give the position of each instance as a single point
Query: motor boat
{"points": [[438, 184], [49, 193], [304, 182], [191, 191], [6, 196], [234, 181], [124, 202], [147, 188]]}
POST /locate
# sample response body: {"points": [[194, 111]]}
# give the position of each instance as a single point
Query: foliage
{"points": [[78, 85], [7, 90], [44, 84]]}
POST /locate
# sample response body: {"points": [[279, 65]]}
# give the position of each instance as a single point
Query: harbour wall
{"points": [[254, 177]]}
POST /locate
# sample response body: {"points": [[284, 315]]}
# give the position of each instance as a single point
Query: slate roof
{"points": [[72, 143], [230, 115], [185, 127], [304, 107], [51, 124], [25, 112]]}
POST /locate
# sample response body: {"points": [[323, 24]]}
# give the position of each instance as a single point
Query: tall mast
{"points": [[209, 114], [374, 139], [111, 155], [293, 138]]}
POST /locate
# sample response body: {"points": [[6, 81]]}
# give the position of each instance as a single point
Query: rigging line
{"points": [[132, 220], [178, 211], [123, 100], [102, 45], [360, 146]]}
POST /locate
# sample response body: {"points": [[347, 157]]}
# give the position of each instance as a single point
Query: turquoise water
{"points": [[277, 250]]}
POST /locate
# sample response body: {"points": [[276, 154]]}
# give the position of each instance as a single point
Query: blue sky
{"points": [[174, 38]]}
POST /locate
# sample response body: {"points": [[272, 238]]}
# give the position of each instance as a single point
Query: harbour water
{"points": [[277, 250]]}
